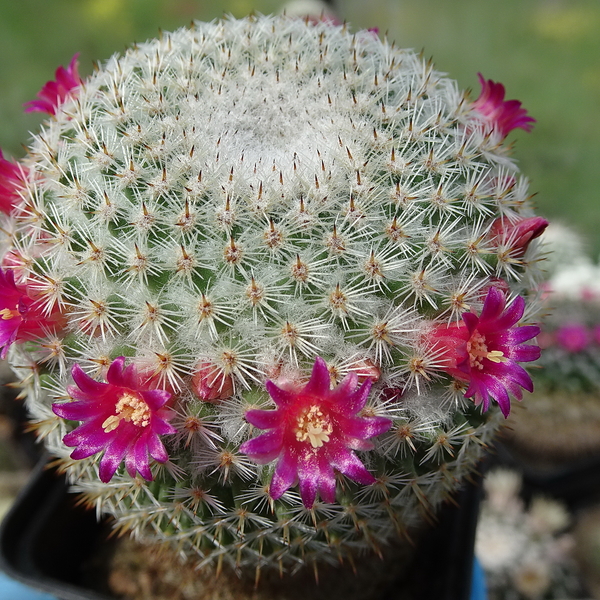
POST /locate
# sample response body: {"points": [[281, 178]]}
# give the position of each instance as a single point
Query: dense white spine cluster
{"points": [[241, 197]]}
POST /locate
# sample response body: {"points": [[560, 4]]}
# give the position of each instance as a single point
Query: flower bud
{"points": [[366, 369], [211, 384], [518, 235]]}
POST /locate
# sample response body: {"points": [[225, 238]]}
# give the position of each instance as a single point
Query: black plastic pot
{"points": [[575, 482], [51, 543]]}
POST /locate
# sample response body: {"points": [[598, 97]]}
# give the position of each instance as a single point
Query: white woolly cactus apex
{"points": [[264, 282]]}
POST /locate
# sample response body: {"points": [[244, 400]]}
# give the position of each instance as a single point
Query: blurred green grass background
{"points": [[546, 52]]}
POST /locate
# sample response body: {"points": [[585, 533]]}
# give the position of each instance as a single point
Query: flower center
{"points": [[313, 426], [129, 408], [478, 350]]}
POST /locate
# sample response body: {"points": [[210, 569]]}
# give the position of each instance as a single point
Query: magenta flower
{"points": [[123, 418], [21, 318], [573, 337], [313, 431], [12, 176], [54, 93], [503, 115], [519, 234], [484, 350]]}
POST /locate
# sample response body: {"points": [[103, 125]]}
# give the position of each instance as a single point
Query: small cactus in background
{"points": [[267, 286], [526, 551], [562, 419]]}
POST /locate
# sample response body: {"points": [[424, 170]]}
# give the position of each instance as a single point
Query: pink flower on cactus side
{"points": [[55, 92], [545, 340], [313, 432], [503, 115], [517, 235], [21, 318], [573, 337], [123, 418], [484, 350], [12, 177]]}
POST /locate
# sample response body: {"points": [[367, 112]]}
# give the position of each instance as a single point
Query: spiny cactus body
{"points": [[217, 214]]}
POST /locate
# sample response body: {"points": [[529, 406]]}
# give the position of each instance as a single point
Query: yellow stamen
{"points": [[111, 423], [496, 356], [8, 314], [477, 349], [129, 408], [313, 426]]}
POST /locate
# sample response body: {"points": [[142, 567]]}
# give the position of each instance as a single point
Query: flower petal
{"points": [[513, 336], [90, 432], [493, 306], [308, 478], [264, 448], [136, 459], [114, 455], [280, 396], [80, 410], [349, 400], [157, 449], [155, 399], [285, 475], [87, 386], [160, 423], [363, 427], [351, 466], [263, 419], [114, 375], [320, 381], [327, 481]]}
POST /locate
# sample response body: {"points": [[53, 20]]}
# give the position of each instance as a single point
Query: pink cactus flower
{"points": [[589, 294], [55, 92], [484, 350], [573, 337], [124, 418], [545, 340], [12, 177], [503, 115], [313, 432], [517, 235], [21, 317]]}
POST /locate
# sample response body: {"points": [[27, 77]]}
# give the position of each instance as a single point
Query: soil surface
{"points": [[142, 572]]}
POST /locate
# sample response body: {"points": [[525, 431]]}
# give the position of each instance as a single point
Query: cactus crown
{"points": [[262, 199]]}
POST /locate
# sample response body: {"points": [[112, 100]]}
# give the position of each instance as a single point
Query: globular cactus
{"points": [[263, 279]]}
